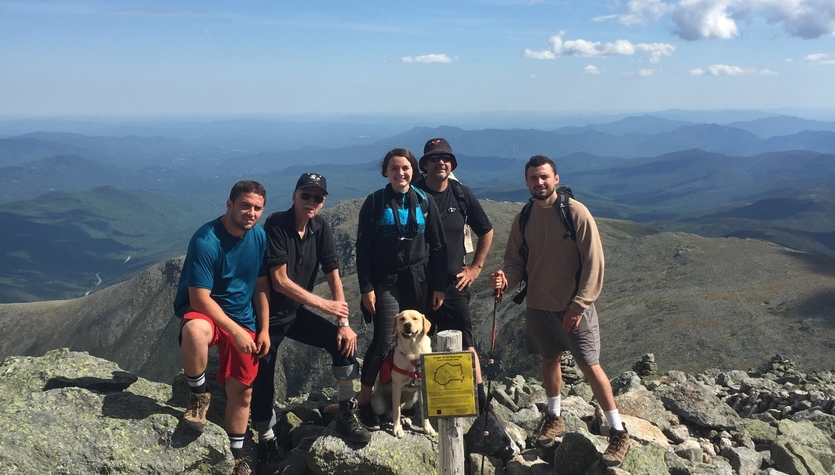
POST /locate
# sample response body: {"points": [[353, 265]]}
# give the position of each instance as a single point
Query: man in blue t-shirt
{"points": [[222, 299]]}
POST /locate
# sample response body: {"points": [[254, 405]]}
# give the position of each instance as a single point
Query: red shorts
{"points": [[231, 362]]}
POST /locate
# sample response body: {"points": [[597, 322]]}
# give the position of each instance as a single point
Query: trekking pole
{"points": [[497, 299]]}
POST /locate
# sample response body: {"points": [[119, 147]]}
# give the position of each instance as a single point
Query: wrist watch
{"points": [[343, 324]]}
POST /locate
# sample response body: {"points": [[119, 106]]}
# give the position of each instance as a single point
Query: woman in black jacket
{"points": [[401, 257]]}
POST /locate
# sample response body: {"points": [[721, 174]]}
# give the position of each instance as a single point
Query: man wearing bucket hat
{"points": [[459, 209], [299, 242]]}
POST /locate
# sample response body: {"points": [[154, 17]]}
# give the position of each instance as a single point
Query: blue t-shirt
{"points": [[228, 266]]}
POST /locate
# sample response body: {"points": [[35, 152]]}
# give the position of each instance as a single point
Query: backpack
{"points": [[563, 194], [378, 203]]}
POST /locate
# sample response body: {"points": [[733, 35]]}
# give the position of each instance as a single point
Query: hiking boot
{"points": [[269, 456], [618, 446], [196, 409], [552, 427], [348, 424], [241, 467], [367, 417]]}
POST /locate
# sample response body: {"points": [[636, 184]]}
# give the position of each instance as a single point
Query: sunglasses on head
{"points": [[307, 196], [438, 158]]}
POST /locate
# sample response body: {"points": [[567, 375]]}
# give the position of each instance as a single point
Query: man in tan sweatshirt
{"points": [[564, 277]]}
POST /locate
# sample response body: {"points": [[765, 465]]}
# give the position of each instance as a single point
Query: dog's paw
{"points": [[398, 431], [427, 427]]}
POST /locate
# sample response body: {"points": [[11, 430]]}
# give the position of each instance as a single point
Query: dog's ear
{"points": [[394, 325], [426, 324]]}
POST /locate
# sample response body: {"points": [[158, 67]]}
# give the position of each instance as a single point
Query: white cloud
{"points": [[820, 58], [719, 69], [594, 49], [657, 50], [701, 19], [544, 54], [591, 69], [639, 12], [728, 70], [428, 58], [705, 19], [646, 72]]}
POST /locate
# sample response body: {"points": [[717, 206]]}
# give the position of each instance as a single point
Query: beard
{"points": [[544, 195]]}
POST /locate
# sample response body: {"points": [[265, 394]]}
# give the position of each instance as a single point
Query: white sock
{"points": [[554, 405], [269, 435], [613, 418]]}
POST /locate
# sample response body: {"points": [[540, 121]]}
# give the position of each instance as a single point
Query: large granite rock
{"points": [[69, 412]]}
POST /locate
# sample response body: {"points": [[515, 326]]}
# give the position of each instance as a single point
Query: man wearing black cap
{"points": [[298, 243], [458, 207]]}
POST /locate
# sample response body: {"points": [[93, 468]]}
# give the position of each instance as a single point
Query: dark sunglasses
{"points": [[317, 198], [438, 158]]}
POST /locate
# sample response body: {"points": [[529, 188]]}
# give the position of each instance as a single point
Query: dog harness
{"points": [[388, 366]]}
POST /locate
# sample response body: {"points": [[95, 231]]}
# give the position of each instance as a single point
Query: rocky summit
{"points": [[71, 413]]}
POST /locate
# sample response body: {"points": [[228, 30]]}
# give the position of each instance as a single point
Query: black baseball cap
{"points": [[314, 180]]}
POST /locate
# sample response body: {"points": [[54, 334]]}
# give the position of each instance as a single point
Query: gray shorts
{"points": [[544, 336]]}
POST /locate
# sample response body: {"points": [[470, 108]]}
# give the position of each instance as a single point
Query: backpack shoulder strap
{"points": [[377, 205], [458, 192], [422, 199], [524, 215], [563, 193]]}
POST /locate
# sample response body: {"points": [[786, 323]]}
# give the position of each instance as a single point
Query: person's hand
{"points": [[346, 341], [466, 277], [437, 299], [369, 301], [243, 342], [336, 308], [262, 343], [497, 280], [571, 321]]}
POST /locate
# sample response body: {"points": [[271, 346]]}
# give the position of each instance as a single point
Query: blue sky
{"points": [[387, 57]]}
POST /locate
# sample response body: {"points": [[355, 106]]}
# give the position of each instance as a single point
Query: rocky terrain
{"points": [[72, 413]]}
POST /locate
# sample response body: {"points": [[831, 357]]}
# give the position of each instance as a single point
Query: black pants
{"points": [[308, 328]]}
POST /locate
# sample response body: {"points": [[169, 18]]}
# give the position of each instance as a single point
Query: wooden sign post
{"points": [[449, 394]]}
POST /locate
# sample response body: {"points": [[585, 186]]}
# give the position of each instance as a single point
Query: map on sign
{"points": [[448, 373], [449, 384]]}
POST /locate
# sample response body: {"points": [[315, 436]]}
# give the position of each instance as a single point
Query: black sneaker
{"points": [[269, 456], [367, 417], [348, 424]]}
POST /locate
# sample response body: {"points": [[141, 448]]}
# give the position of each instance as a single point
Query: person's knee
{"points": [[593, 372], [346, 372], [237, 393], [196, 332]]}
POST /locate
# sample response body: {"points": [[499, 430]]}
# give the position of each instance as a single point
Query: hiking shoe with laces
{"points": [[348, 424], [269, 456], [618, 446], [552, 427], [367, 417], [196, 409], [241, 467]]}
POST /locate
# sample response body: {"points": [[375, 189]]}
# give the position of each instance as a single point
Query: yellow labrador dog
{"points": [[398, 384]]}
